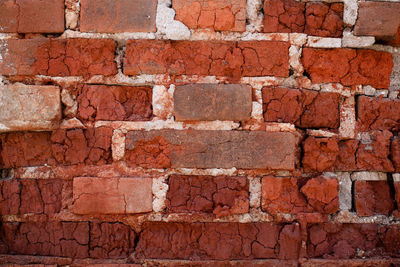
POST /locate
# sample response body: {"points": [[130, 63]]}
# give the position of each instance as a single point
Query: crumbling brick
{"points": [[372, 197]]}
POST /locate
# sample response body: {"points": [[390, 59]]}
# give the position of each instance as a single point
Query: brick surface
{"points": [[221, 195], [232, 59], [304, 108], [319, 153], [211, 149], [287, 195], [118, 16], [220, 241], [112, 195], [348, 66], [350, 263], [58, 57], [324, 19], [28, 17], [372, 197], [284, 16], [212, 102], [225, 15], [29, 107], [120, 103], [395, 153]]}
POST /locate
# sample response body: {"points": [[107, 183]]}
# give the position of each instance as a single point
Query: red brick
{"points": [[219, 241], [284, 16], [118, 16], [346, 160], [28, 17], [395, 153], [348, 66], [26, 259], [114, 103], [320, 154], [286, 195], [230, 263], [324, 19], [345, 241], [233, 59], [372, 197], [212, 102], [112, 195], [58, 57], [351, 263], [378, 114], [225, 15], [211, 149], [304, 108], [30, 196], [220, 195], [379, 19]]}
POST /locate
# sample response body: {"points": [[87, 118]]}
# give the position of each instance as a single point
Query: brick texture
{"points": [[373, 197]]}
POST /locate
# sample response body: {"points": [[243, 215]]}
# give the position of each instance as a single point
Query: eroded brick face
{"points": [[373, 197], [219, 195]]}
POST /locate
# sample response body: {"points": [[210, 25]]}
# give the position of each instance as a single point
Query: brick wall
{"points": [[200, 133]]}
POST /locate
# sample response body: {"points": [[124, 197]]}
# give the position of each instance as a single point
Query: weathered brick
{"points": [[379, 19], [112, 195], [58, 57], [220, 241], [212, 102], [118, 16], [378, 114], [220, 195], [304, 108], [345, 241], [348, 66], [284, 16], [28, 17], [319, 153], [287, 195], [29, 107], [225, 15], [395, 153], [223, 263], [30, 196], [372, 197], [350, 263], [324, 19], [221, 58], [120, 103], [211, 149]]}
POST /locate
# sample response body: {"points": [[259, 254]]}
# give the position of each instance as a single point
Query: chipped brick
{"points": [[284, 16], [232, 59], [220, 241], [304, 108], [225, 15], [114, 103], [348, 66], [220, 195], [320, 153], [346, 160], [324, 19], [395, 153], [211, 149], [372, 197]]}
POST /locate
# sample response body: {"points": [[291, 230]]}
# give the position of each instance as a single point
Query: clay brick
{"points": [[220, 195], [319, 153], [345, 241], [395, 153], [304, 108], [378, 114], [225, 15], [287, 195], [118, 16], [379, 19], [212, 102], [28, 17], [372, 197], [284, 16], [219, 241], [30, 196], [221, 58], [346, 159], [324, 19], [230, 263], [211, 149], [110, 103], [112, 195], [348, 66], [29, 107], [58, 57], [351, 263]]}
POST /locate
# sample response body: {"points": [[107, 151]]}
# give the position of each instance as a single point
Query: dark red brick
{"points": [[284, 16], [395, 153], [372, 197], [324, 19], [304, 108], [320, 154]]}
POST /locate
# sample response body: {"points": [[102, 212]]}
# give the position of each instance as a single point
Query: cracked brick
{"points": [[221, 58], [219, 241], [114, 103], [225, 15], [345, 241], [221, 195], [395, 153], [304, 108], [373, 197], [319, 153], [324, 19], [288, 195], [211, 149], [28, 16], [112, 195], [348, 66], [118, 16], [284, 16]]}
